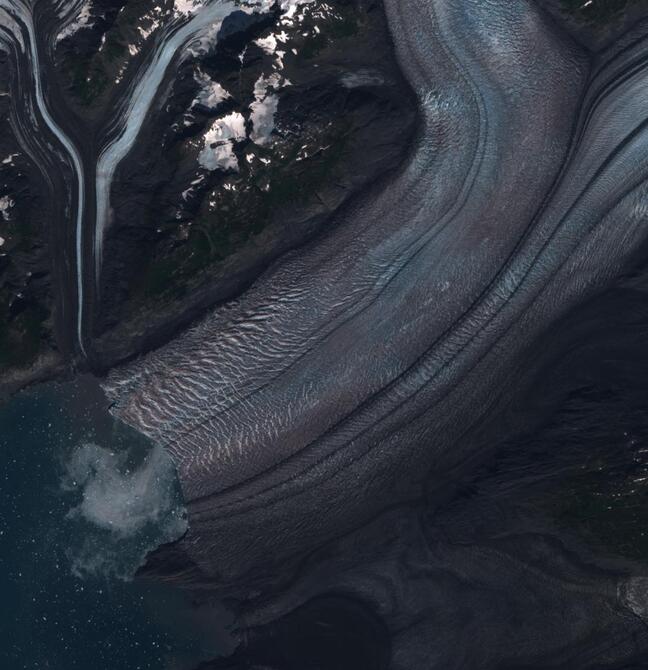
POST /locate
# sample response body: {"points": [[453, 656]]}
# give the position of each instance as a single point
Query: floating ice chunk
{"points": [[118, 498], [9, 159], [218, 151], [126, 508]]}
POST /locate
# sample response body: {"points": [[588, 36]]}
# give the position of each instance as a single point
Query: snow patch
{"points": [[187, 7], [211, 93], [264, 107], [6, 203], [268, 44], [218, 151], [290, 7], [83, 20], [147, 32]]}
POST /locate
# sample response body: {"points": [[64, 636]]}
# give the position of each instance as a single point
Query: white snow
{"points": [[262, 113], [290, 7], [147, 32], [83, 20], [6, 203], [219, 143], [186, 7], [186, 193], [268, 44], [264, 107], [211, 94]]}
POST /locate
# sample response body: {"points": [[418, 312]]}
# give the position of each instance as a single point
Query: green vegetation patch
{"points": [[344, 24], [606, 499], [242, 206], [91, 74]]}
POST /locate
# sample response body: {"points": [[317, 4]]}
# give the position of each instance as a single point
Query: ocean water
{"points": [[82, 499]]}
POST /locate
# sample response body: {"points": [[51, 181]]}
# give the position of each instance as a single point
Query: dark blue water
{"points": [[81, 501]]}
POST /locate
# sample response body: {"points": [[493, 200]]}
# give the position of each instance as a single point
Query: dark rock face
{"points": [[327, 632], [320, 111], [27, 276]]}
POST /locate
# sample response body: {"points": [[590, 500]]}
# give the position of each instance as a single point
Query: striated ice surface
{"points": [[360, 363]]}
